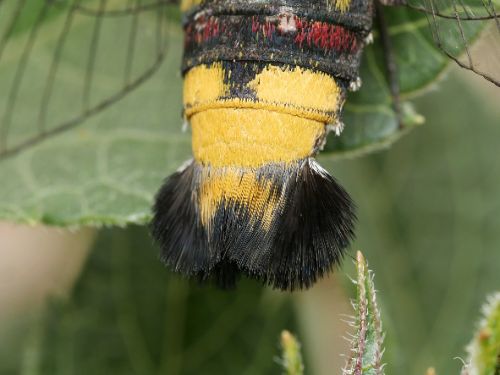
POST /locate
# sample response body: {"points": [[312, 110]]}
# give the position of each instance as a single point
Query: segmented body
{"points": [[264, 83]]}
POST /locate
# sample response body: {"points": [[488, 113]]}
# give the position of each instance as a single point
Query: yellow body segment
{"points": [[283, 122], [242, 137]]}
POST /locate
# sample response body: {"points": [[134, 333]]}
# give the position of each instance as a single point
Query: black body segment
{"points": [[311, 34]]}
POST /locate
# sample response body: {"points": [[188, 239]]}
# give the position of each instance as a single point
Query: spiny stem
{"points": [[368, 339], [362, 311], [292, 357]]}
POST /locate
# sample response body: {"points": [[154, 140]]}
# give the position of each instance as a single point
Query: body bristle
{"points": [[224, 275], [316, 227], [286, 224], [177, 226]]}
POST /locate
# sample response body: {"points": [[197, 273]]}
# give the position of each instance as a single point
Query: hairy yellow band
{"points": [[251, 138], [297, 91], [241, 187]]}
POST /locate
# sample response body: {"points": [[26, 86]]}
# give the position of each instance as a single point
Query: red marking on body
{"points": [[204, 29], [325, 36], [255, 25], [316, 34]]}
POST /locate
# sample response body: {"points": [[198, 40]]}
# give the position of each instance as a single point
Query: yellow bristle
{"points": [[239, 188], [340, 5]]}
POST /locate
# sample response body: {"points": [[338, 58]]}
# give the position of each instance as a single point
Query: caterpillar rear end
{"points": [[264, 82]]}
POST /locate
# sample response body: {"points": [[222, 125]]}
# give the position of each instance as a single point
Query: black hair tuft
{"points": [[284, 224]]}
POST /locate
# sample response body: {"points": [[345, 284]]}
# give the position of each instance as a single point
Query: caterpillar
{"points": [[264, 83]]}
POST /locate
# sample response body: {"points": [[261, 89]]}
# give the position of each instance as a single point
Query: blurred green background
{"points": [[428, 224]]}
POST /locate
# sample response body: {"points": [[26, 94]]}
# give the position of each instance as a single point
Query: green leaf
{"points": [[484, 350], [371, 123], [129, 315], [106, 171], [367, 342]]}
